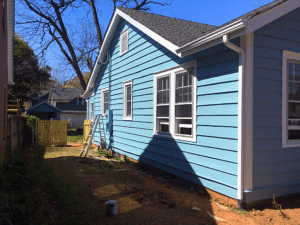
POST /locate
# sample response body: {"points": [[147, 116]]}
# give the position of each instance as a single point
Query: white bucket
{"points": [[111, 207]]}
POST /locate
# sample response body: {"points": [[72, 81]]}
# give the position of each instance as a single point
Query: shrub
{"points": [[31, 120]]}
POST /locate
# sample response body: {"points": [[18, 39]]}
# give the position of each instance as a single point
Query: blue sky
{"points": [[214, 12]]}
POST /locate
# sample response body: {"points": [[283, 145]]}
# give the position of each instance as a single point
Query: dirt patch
{"points": [[143, 197]]}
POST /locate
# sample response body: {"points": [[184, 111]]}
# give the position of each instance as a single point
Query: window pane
{"points": [[294, 111], [163, 125], [164, 128], [159, 97], [179, 95], [179, 80], [128, 108], [294, 134], [106, 96], [294, 71], [163, 111], [159, 84], [187, 94], [128, 93], [166, 97], [183, 126], [105, 107], [163, 83], [185, 79], [183, 110], [294, 91]]}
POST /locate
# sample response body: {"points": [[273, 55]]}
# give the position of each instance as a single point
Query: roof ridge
{"points": [[166, 16]]}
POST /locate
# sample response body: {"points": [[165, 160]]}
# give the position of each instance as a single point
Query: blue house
{"points": [[219, 106]]}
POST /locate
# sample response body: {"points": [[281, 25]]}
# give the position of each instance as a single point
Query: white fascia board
{"points": [[219, 33], [212, 43], [271, 15], [164, 42], [102, 53], [10, 40]]}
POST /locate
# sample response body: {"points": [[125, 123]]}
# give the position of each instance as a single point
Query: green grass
{"points": [[75, 138]]}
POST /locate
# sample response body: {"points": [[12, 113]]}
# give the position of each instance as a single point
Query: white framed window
{"points": [[127, 100], [104, 100], [174, 102], [291, 99], [124, 42], [92, 111]]}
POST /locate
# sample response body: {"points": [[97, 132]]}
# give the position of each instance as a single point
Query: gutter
{"points": [[230, 28], [240, 184]]}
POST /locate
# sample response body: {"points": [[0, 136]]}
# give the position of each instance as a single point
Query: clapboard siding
{"points": [[272, 165], [212, 159]]}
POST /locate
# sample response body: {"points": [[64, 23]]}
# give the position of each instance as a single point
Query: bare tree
{"points": [[47, 23]]}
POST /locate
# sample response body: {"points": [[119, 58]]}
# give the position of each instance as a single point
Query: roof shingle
{"points": [[177, 31]]}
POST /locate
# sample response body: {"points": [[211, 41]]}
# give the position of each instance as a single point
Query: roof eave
{"points": [[233, 28], [102, 53], [108, 37], [238, 28]]}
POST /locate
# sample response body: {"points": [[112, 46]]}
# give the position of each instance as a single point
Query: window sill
{"points": [[129, 118], [291, 144], [176, 137]]}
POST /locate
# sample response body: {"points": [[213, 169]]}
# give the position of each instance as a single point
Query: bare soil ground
{"points": [[144, 197]]}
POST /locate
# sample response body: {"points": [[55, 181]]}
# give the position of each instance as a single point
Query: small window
{"points": [[124, 42], [127, 100], [291, 99], [104, 100], [92, 111]]}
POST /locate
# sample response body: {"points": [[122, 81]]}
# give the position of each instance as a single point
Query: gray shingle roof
{"points": [[181, 32], [65, 94], [42, 93], [177, 31]]}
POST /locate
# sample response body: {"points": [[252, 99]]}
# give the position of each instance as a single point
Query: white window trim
{"points": [[171, 72], [125, 32], [102, 100], [287, 55], [125, 84]]}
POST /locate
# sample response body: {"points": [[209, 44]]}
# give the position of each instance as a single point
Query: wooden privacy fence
{"points": [[86, 129], [51, 132]]}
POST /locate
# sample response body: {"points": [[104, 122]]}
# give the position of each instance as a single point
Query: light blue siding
{"points": [[212, 160], [273, 166]]}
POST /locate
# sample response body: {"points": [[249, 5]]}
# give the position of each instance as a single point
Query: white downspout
{"points": [[240, 183]]}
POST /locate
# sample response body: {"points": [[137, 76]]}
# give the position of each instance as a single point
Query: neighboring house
{"points": [[72, 107], [44, 111], [218, 106], [7, 18]]}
